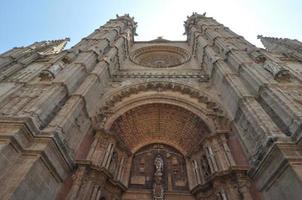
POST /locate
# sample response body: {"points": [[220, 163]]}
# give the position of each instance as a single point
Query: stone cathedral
{"points": [[111, 118]]}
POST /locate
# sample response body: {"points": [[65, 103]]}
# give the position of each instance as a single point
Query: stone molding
{"points": [[28, 140], [214, 109]]}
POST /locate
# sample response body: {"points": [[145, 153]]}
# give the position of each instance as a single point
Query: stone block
{"points": [[71, 76]]}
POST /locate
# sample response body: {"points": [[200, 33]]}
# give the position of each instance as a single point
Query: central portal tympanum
{"points": [[147, 169]]}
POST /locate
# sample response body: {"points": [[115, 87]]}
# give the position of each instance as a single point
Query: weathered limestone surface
{"points": [[224, 116]]}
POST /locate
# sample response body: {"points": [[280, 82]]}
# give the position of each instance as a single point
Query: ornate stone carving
{"points": [[117, 97], [276, 70], [163, 165], [160, 56], [192, 20], [158, 190], [51, 72], [205, 167], [129, 22], [201, 76], [166, 123], [257, 56]]}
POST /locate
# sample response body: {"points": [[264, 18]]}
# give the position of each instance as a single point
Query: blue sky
{"points": [[26, 21]]}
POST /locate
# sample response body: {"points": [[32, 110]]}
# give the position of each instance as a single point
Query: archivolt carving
{"points": [[213, 110]]}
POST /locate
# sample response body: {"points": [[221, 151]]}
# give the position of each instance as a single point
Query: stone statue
{"points": [[158, 189], [158, 162]]}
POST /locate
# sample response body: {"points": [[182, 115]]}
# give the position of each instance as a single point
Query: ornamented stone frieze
{"points": [[202, 77], [215, 111]]}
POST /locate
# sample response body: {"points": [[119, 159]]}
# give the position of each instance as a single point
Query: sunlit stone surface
{"points": [[212, 117]]}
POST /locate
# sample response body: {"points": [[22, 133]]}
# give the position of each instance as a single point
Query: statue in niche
{"points": [[158, 190], [158, 162], [205, 166], [113, 163]]}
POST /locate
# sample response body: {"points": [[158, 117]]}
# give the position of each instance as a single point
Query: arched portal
{"points": [[188, 132], [159, 128]]}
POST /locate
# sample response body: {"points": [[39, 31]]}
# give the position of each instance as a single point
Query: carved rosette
{"points": [[160, 56]]}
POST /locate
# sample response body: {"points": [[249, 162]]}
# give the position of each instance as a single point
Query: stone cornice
{"points": [[28, 140], [222, 175], [103, 172]]}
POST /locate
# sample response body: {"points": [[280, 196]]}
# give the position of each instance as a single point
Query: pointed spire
{"points": [[51, 46], [129, 20], [279, 45], [191, 20], [290, 48], [39, 48]]}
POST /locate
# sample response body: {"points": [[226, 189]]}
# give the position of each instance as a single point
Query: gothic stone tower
{"points": [[212, 117]]}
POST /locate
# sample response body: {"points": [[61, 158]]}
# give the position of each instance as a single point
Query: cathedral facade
{"points": [[209, 118]]}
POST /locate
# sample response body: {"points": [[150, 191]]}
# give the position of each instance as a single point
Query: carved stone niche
{"points": [[93, 183], [217, 174], [145, 170]]}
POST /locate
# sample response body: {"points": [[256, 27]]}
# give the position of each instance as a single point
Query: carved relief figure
{"points": [[158, 164]]}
